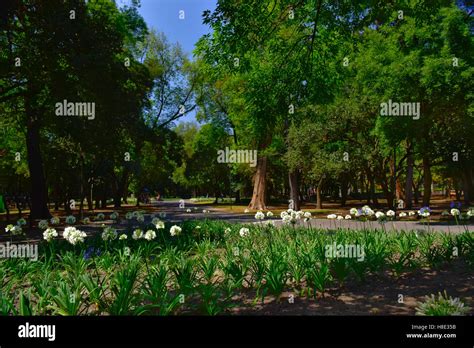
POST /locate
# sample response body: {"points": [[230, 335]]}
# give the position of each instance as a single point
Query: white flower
{"points": [[100, 217], [353, 211], [43, 224], [402, 214], [246, 211], [86, 220], [123, 236], [114, 216], [204, 211], [188, 210], [244, 232], [390, 213], [21, 222], [411, 213], [73, 235], [13, 229], [455, 212], [379, 215], [140, 218], [54, 220], [470, 213], [340, 217], [269, 214], [159, 225], [259, 215], [137, 234], [348, 217], [299, 215], [154, 221], [307, 214], [287, 219], [70, 220], [109, 233], [49, 234], [150, 235], [332, 216], [424, 213], [175, 230], [129, 216], [283, 214]]}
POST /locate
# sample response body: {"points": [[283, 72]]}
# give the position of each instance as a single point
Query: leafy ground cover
{"points": [[212, 267]]}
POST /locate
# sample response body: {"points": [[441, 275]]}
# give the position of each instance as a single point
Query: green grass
{"points": [[201, 270]]}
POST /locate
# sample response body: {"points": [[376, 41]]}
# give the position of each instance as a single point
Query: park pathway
{"points": [[176, 214]]}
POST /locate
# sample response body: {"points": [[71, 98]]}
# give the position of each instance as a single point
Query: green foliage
{"points": [[442, 306]]}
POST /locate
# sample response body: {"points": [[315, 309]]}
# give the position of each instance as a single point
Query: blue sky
{"points": [[164, 16]]}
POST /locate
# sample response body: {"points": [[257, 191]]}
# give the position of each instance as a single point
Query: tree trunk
{"points": [[344, 187], [468, 186], [409, 181], [427, 179], [319, 201], [259, 185], [294, 193], [39, 194]]}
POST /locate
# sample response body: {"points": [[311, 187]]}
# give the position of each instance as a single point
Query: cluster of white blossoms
{"points": [[159, 225], [70, 220], [73, 235], [54, 220], [291, 216], [49, 234], [175, 230], [150, 235], [455, 212], [244, 232], [13, 229], [137, 234], [123, 236], [109, 233], [188, 210], [269, 214], [367, 211], [43, 224], [259, 215]]}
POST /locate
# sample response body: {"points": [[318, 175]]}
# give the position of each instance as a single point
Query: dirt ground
{"points": [[378, 295]]}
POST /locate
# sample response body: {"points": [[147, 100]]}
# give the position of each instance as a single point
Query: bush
{"points": [[442, 305]]}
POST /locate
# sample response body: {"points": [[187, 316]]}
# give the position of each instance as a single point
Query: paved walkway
{"points": [[176, 214]]}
